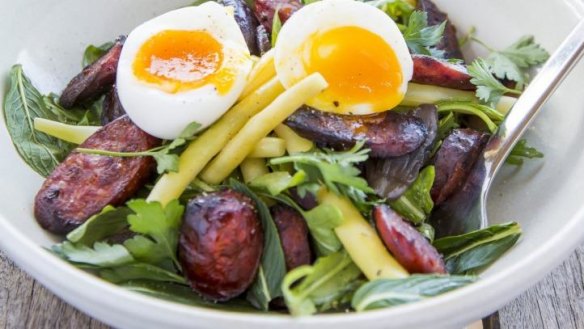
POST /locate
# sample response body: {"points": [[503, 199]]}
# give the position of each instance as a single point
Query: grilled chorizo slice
{"points": [[391, 177], [265, 9], [432, 71], [454, 161], [220, 244], [387, 134], [247, 22], [293, 234], [95, 80], [449, 42], [83, 184], [112, 107], [407, 245]]}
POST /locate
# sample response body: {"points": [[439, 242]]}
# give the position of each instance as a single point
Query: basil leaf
{"points": [[100, 226], [416, 203], [470, 252], [268, 282], [321, 222], [24, 103], [93, 53], [383, 293], [323, 285], [101, 255], [183, 295], [140, 271]]}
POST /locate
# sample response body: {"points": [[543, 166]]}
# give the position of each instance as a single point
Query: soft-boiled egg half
{"points": [[357, 48], [187, 65]]}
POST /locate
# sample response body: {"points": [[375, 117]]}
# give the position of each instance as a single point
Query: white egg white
{"points": [[163, 114], [321, 16]]}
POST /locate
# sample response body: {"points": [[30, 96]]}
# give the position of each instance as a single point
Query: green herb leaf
{"points": [[278, 181], [23, 103], [471, 252], [399, 10], [100, 226], [268, 282], [489, 89], [420, 37], [522, 151], [446, 124], [323, 285], [276, 26], [83, 116], [511, 63], [321, 222], [416, 203], [158, 223], [101, 255], [140, 271], [336, 170], [93, 53], [382, 293], [183, 295]]}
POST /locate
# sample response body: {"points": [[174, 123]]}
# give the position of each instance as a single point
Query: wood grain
{"points": [[557, 302]]}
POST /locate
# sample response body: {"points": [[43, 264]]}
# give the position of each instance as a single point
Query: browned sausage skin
{"points": [[112, 107], [454, 161], [387, 134], [265, 9], [433, 71], [83, 184], [220, 246], [95, 80], [407, 245], [293, 234]]}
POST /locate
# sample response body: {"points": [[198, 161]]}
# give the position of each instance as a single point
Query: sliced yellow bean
{"points": [[362, 242], [269, 147], [69, 133], [260, 126], [294, 143], [205, 147], [425, 94], [262, 72], [252, 168]]}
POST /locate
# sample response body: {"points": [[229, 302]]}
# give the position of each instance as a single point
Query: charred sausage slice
{"points": [[220, 244], [454, 161], [95, 79], [391, 177], [432, 71], [265, 9], [83, 184], [406, 244], [449, 42], [387, 134], [247, 22], [293, 234]]}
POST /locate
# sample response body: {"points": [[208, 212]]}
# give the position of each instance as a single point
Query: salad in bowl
{"points": [[274, 156]]}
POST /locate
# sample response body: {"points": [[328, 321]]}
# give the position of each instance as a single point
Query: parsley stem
{"points": [[475, 39], [119, 154]]}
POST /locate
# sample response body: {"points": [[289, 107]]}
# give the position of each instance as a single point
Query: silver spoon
{"points": [[466, 210]]}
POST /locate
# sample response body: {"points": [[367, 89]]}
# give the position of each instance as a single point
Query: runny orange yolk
{"points": [[360, 67], [177, 61]]}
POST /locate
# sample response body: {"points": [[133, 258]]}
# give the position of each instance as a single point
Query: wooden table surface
{"points": [[557, 302]]}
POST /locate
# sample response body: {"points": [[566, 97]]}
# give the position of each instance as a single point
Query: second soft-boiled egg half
{"points": [[188, 65], [356, 47]]}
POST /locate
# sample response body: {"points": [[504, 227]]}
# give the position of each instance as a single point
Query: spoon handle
{"points": [[537, 93]]}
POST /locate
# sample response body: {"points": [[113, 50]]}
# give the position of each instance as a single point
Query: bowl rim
{"points": [[99, 298]]}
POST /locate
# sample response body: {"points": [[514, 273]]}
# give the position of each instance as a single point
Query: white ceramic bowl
{"points": [[545, 196]]}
